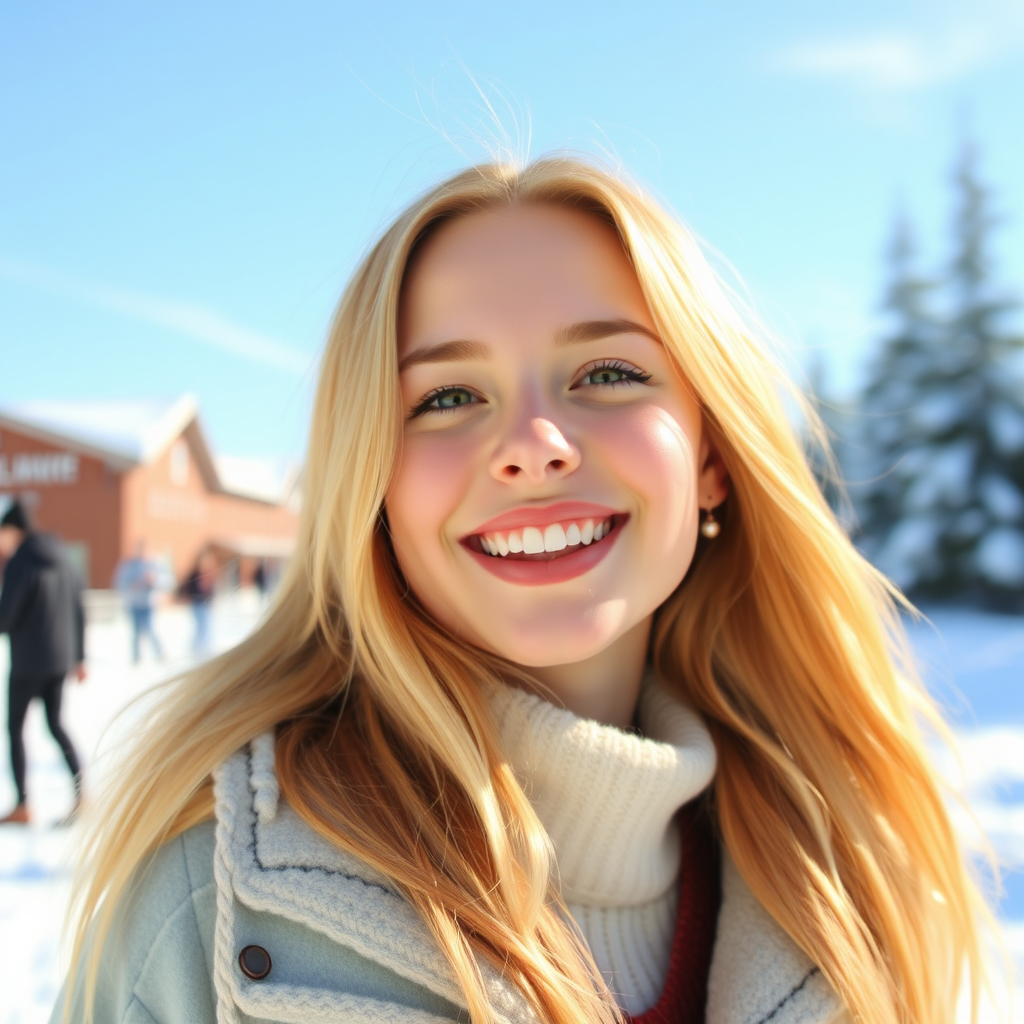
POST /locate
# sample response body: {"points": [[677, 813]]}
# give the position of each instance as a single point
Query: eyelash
{"points": [[423, 405], [630, 375]]}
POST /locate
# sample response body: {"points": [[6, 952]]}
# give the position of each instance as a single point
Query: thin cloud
{"points": [[193, 321], [900, 61]]}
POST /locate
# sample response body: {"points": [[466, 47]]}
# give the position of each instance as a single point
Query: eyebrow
{"points": [[585, 330], [593, 330], [445, 352]]}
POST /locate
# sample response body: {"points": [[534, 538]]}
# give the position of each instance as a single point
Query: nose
{"points": [[534, 451]]}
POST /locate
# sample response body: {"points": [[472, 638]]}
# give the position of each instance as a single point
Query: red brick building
{"points": [[104, 475]]}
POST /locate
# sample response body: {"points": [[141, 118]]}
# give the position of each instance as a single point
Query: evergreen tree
{"points": [[945, 415], [831, 457], [882, 465], [984, 547]]}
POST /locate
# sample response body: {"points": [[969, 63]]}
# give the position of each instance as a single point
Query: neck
{"points": [[605, 687]]}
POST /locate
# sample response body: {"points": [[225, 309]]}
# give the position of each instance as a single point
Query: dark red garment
{"points": [[685, 995]]}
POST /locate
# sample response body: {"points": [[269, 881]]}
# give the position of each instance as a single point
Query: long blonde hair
{"points": [[781, 635]]}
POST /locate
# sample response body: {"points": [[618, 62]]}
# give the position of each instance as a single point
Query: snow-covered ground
{"points": [[35, 862], [974, 664]]}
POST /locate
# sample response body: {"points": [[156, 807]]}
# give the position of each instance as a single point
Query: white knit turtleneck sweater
{"points": [[608, 800]]}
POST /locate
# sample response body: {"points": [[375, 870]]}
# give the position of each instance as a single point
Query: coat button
{"points": [[255, 962]]}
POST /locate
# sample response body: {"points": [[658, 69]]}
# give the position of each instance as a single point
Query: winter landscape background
{"points": [[186, 188], [931, 445], [973, 663]]}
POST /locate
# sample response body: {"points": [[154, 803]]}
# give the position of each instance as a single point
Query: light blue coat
{"points": [[344, 945]]}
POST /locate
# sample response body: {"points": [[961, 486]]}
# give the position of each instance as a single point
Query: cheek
{"points": [[654, 452], [431, 479]]}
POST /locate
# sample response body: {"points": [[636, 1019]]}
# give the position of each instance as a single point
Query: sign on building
{"points": [[40, 468]]}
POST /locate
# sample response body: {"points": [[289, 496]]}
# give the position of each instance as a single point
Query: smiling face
{"points": [[554, 463]]}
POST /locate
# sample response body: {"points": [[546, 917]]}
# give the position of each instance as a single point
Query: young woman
{"points": [[575, 704]]}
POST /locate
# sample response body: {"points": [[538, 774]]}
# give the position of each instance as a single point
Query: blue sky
{"points": [[185, 187]]}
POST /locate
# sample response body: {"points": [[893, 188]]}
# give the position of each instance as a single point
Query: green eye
{"points": [[452, 400], [606, 376], [445, 399]]}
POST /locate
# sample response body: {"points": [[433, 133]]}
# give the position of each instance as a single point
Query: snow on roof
{"points": [[270, 480], [130, 430], [135, 431]]}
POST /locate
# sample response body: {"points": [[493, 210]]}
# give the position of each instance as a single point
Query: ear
{"points": [[712, 476]]}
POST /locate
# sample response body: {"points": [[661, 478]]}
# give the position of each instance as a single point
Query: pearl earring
{"points": [[711, 527]]}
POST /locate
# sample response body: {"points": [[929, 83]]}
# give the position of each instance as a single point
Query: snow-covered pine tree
{"points": [[945, 516], [881, 466], [984, 547]]}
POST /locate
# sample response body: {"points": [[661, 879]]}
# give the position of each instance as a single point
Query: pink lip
{"points": [[557, 570], [545, 515]]}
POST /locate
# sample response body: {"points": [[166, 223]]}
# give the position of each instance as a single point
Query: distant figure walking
{"points": [[199, 589], [141, 580], [41, 610]]}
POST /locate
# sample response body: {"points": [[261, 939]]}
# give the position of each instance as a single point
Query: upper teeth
{"points": [[555, 537]]}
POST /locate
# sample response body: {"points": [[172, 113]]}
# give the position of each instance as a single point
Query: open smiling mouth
{"points": [[545, 544]]}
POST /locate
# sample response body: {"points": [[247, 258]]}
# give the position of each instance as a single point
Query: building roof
{"points": [[271, 480], [131, 432]]}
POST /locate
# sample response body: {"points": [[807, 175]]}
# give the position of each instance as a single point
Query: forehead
{"points": [[527, 263]]}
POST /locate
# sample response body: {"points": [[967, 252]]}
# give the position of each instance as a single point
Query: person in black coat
{"points": [[41, 610], [199, 589]]}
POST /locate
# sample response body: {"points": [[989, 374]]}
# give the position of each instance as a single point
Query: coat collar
{"points": [[269, 860]]}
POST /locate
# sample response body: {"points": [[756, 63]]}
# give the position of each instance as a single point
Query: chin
{"points": [[544, 643], [548, 655]]}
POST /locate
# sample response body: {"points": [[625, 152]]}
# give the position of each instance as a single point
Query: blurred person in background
{"points": [[142, 580], [41, 611], [198, 590], [259, 579]]}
